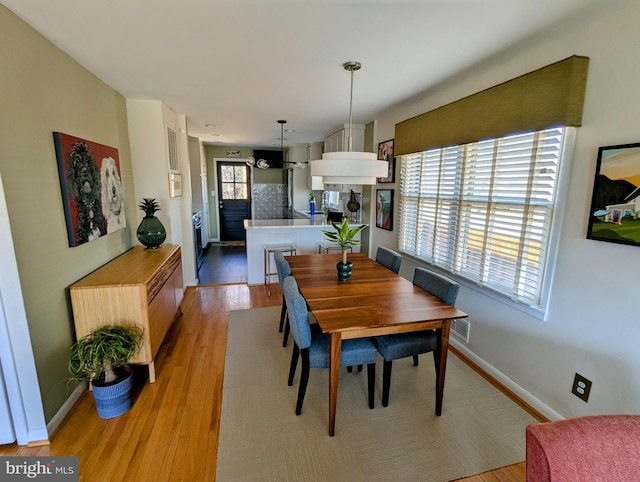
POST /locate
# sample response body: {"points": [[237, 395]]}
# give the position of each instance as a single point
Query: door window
{"points": [[234, 181]]}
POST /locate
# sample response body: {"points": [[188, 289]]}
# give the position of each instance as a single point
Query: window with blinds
{"points": [[484, 211]]}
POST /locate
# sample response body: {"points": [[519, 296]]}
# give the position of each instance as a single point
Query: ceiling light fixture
{"points": [[260, 164], [349, 167]]}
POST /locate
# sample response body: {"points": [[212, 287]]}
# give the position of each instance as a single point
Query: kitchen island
{"points": [[305, 233]]}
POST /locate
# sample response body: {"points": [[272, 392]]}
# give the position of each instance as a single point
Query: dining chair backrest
{"points": [[389, 259], [282, 267], [298, 315], [437, 285]]}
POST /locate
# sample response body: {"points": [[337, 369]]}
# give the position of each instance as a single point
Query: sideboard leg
{"points": [[152, 372]]}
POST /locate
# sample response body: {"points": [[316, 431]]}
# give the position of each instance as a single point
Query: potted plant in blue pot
{"points": [[101, 358], [345, 237]]}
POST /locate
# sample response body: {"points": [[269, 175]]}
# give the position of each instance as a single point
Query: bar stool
{"points": [[326, 247], [269, 249]]}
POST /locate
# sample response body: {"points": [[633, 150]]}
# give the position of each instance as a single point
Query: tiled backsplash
{"points": [[269, 201]]}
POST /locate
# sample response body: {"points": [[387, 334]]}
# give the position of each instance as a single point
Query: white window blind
{"points": [[484, 211]]}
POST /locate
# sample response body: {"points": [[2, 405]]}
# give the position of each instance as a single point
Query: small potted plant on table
{"points": [[345, 238], [101, 358]]}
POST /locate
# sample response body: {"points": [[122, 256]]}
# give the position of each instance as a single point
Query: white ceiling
{"points": [[243, 64]]}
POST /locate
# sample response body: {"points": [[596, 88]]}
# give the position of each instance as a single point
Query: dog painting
{"points": [[91, 188]]}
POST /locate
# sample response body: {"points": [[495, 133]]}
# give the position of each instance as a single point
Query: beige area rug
{"points": [[261, 439]]}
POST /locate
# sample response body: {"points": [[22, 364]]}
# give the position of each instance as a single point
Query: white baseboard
{"points": [[66, 407], [520, 392]]}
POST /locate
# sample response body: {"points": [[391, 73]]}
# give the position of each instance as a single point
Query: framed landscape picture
{"points": [[384, 209], [385, 153], [615, 204]]}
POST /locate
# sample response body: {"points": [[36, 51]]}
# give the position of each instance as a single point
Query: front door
{"points": [[234, 201]]}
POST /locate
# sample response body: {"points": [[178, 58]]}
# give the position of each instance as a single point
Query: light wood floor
{"points": [[171, 432]]}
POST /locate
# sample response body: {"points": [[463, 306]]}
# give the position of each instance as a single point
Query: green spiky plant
{"points": [[344, 236], [149, 206], [100, 355]]}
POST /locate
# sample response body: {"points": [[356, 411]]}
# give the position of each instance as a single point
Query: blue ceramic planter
{"points": [[344, 270], [114, 400]]}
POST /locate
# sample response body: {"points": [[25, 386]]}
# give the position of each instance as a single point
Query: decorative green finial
{"points": [[149, 206]]}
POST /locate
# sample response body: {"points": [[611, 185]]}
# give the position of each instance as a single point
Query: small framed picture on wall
{"points": [[384, 209], [385, 153]]}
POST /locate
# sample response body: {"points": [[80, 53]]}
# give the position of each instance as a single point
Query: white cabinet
{"points": [[314, 151], [302, 180], [306, 234], [297, 153], [338, 141]]}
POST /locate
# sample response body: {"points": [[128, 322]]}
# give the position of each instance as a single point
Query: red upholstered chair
{"points": [[601, 448]]}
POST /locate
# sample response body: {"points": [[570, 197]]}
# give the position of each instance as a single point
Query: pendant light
{"points": [[261, 164], [349, 167], [282, 123], [285, 163]]}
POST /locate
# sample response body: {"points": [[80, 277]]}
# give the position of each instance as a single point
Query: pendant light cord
{"points": [[351, 67], [350, 145], [282, 123]]}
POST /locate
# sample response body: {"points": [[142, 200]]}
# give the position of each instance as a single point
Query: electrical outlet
{"points": [[581, 387]]}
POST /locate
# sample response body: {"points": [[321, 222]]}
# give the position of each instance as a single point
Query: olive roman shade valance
{"points": [[547, 97]]}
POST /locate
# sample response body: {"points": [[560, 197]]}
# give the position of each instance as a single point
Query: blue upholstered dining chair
{"points": [[389, 259], [283, 270], [402, 345], [313, 345]]}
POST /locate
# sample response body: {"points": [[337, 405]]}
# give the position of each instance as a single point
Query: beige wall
{"points": [[592, 326], [44, 90]]}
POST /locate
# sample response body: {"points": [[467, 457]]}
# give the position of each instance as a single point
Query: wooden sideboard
{"points": [[140, 287]]}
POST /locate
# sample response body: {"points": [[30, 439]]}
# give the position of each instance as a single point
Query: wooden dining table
{"points": [[373, 301]]}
